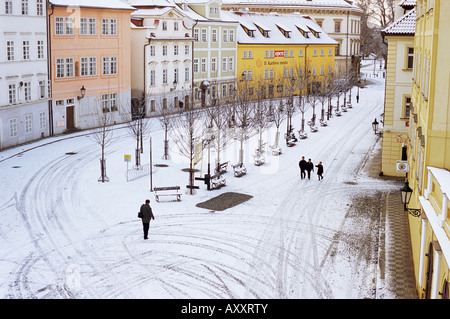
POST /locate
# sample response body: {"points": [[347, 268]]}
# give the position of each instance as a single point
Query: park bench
{"points": [[221, 168], [217, 181], [239, 170], [167, 191]]}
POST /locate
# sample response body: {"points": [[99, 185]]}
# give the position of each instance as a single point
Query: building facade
{"points": [[274, 51], [90, 62], [397, 105], [24, 109], [161, 55], [429, 149], [340, 19], [214, 51]]}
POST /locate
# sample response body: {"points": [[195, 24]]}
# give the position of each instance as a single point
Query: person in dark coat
{"points": [[309, 168], [319, 170], [180, 104], [147, 215], [303, 165]]}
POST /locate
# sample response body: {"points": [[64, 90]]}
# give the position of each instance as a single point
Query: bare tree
{"points": [[164, 117], [103, 134]]}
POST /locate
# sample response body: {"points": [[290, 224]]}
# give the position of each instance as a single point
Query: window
{"points": [[214, 35], [407, 112], [24, 7], [175, 26], [40, 7], [165, 76], [83, 26], [164, 25], [26, 50], [69, 67], [105, 26], [59, 26], [231, 34], [186, 49], [113, 69], [224, 64], [42, 89], [8, 7], [164, 50], [40, 49], [315, 52], [42, 121], [175, 76], [113, 101], [195, 65], [314, 71], [300, 52], [105, 65], [224, 90], [59, 68], [337, 26], [225, 35], [92, 26], [322, 70], [410, 61], [322, 52], [330, 52], [187, 73], [196, 35], [13, 127], [27, 91], [93, 66], [69, 25], [214, 65], [152, 50], [204, 35], [152, 77], [12, 94], [153, 105], [113, 25], [175, 49], [230, 64], [203, 65], [28, 123], [84, 67]]}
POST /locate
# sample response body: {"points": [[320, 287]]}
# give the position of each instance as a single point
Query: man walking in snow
{"points": [[309, 168], [303, 165], [147, 214], [319, 170]]}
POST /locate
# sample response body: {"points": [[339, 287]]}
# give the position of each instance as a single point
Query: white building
{"points": [[161, 54], [23, 72]]}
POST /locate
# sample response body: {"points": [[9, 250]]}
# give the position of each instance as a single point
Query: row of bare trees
{"points": [[253, 107]]}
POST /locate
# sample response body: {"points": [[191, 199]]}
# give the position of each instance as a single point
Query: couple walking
{"points": [[308, 166]]}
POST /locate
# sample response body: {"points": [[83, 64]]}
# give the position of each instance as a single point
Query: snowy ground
{"points": [[64, 235]]}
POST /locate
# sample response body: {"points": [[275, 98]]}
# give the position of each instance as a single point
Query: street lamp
{"points": [[375, 127], [406, 193], [83, 93]]}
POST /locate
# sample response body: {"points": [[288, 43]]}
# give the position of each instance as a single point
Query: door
{"points": [[70, 117], [429, 272]]}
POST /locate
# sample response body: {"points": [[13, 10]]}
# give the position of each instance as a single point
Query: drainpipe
{"points": [[192, 64], [49, 69]]}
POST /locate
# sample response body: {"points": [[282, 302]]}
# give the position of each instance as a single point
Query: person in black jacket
{"points": [[303, 165], [147, 215], [319, 170], [309, 168]]}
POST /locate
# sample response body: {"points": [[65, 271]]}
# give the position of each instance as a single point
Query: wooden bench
{"points": [[167, 191], [239, 170], [222, 168], [217, 181]]}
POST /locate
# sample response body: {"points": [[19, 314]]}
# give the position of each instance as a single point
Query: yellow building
{"points": [[273, 49], [400, 60], [89, 49], [429, 149]]}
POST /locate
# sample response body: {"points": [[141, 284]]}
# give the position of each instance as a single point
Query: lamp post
{"points": [[375, 127], [406, 193], [83, 93]]}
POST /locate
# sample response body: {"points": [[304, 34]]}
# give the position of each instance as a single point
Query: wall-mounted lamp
{"points": [[406, 193], [83, 93]]}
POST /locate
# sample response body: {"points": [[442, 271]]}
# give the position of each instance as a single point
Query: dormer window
{"points": [[303, 32], [249, 32], [314, 32], [284, 31], [264, 31]]}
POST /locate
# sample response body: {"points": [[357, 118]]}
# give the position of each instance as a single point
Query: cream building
{"points": [[340, 19], [397, 107]]}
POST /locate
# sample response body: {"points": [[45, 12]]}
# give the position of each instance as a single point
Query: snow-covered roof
{"points": [[301, 3], [408, 3], [272, 22], [109, 4], [406, 25], [151, 3]]}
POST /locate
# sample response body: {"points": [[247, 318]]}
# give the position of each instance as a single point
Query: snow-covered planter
{"points": [[276, 150], [302, 134], [323, 123], [313, 128]]}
